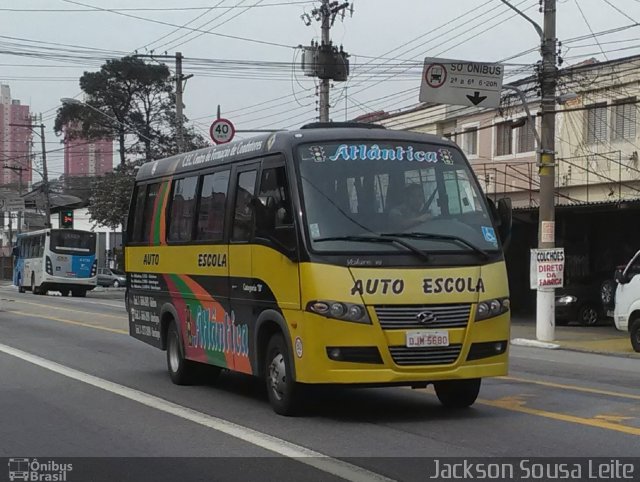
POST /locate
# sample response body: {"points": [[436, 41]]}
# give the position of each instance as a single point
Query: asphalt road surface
{"points": [[74, 384]]}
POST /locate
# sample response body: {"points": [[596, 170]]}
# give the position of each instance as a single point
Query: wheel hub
{"points": [[277, 376]]}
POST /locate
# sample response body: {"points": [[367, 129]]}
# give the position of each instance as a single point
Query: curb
{"points": [[554, 346], [534, 343]]}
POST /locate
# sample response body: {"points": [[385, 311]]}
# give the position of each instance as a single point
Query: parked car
{"points": [[580, 302], [111, 277], [626, 313]]}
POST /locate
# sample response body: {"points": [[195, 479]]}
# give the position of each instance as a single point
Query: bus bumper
{"points": [[370, 355], [54, 283]]}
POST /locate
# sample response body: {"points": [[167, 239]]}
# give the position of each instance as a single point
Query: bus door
{"points": [[242, 286]]}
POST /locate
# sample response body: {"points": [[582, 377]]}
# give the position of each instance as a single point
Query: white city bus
{"points": [[56, 260]]}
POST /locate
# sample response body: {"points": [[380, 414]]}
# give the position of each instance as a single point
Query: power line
{"points": [[159, 22]]}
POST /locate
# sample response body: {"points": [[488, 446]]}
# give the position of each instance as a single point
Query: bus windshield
{"points": [[359, 193], [66, 241]]}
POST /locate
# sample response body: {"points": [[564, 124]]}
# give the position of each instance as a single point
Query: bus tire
{"points": [[20, 287], [181, 370], [458, 393], [79, 293], [283, 391], [34, 289], [64, 292], [634, 333]]}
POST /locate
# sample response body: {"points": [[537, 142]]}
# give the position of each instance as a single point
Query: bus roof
{"points": [[280, 141]]}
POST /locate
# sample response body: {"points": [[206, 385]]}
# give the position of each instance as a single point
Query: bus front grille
{"points": [[402, 317], [441, 355]]}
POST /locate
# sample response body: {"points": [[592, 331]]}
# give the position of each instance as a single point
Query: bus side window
{"points": [[243, 211], [274, 214], [147, 215], [41, 246], [213, 199], [134, 229], [183, 207]]}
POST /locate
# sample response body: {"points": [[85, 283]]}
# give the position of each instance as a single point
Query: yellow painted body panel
{"points": [[295, 285]]}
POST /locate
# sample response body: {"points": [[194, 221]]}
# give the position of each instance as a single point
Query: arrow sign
{"points": [[476, 98], [459, 82]]}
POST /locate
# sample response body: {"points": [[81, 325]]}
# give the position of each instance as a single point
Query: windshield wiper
{"points": [[377, 239], [439, 237]]}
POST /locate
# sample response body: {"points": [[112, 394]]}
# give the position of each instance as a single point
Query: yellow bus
{"points": [[335, 254]]}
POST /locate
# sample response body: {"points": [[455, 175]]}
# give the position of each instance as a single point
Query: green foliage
{"points": [[132, 102], [110, 196]]}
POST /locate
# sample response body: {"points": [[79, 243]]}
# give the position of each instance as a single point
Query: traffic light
{"points": [[66, 219]]}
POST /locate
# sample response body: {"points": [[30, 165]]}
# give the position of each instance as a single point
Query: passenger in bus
{"points": [[412, 210]]}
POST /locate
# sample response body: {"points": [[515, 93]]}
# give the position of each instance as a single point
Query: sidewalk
{"points": [[603, 339]]}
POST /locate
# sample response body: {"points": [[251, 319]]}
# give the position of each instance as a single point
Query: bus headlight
{"points": [[339, 311], [94, 268], [492, 308]]}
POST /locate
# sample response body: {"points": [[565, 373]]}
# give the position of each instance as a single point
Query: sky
{"points": [[43, 51]]}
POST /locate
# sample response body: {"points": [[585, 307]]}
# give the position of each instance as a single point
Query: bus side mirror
{"points": [[15, 251]]}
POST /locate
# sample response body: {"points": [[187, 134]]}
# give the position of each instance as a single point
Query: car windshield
{"points": [[422, 193], [67, 241]]}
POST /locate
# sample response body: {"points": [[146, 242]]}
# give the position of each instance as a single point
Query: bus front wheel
{"points": [[79, 293], [458, 393], [284, 392]]}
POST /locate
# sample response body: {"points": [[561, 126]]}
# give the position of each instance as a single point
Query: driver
{"points": [[412, 210]]}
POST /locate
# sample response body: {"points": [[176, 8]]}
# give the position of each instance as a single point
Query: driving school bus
{"points": [[334, 254]]}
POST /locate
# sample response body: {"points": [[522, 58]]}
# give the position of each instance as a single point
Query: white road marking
{"points": [[273, 444]]}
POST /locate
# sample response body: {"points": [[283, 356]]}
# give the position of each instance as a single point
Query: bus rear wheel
{"points": [[458, 393], [284, 393], [79, 293], [20, 287], [181, 370], [34, 289]]}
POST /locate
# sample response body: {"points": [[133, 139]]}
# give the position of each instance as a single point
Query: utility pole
{"points": [[179, 124], [545, 305], [545, 302], [325, 84], [45, 175], [45, 180], [180, 78], [325, 61]]}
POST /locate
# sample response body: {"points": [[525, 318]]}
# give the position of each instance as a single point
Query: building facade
{"points": [[15, 142], [597, 145], [87, 158]]}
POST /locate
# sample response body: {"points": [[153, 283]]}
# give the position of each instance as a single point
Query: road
{"points": [[74, 384]]}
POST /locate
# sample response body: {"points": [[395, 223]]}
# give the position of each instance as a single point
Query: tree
{"points": [[111, 193], [128, 100]]}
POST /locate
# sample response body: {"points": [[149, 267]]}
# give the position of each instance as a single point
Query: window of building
{"points": [[212, 203], [596, 123], [470, 141], [624, 120], [526, 138], [243, 211], [504, 144], [183, 207]]}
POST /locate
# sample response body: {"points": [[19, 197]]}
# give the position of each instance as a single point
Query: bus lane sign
{"points": [[458, 82]]}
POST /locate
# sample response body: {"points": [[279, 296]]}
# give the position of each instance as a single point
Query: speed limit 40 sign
{"points": [[222, 131]]}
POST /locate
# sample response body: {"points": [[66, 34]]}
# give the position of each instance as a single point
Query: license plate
{"points": [[416, 339]]}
